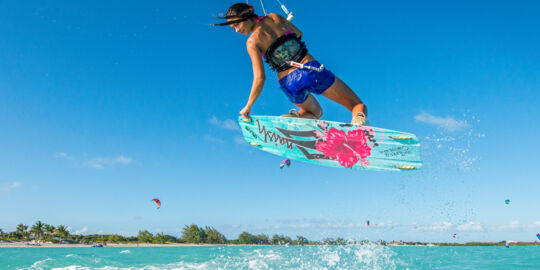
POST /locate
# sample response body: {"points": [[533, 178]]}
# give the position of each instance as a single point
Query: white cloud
{"points": [[515, 226], [225, 124], [239, 140], [470, 226], [212, 139], [446, 226], [330, 225], [447, 123], [507, 227], [14, 185], [81, 231], [437, 226], [63, 155], [101, 162]]}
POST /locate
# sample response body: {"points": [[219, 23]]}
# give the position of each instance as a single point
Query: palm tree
{"points": [[21, 231], [49, 229], [62, 231], [38, 229]]}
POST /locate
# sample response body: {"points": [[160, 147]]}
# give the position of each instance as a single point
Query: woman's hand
{"points": [[245, 112]]}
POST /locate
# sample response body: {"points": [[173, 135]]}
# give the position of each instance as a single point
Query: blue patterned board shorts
{"points": [[298, 84]]}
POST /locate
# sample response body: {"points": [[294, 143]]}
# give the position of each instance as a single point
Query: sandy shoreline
{"points": [[25, 244]]}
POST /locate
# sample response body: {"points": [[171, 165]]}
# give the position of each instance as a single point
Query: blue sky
{"points": [[104, 106]]}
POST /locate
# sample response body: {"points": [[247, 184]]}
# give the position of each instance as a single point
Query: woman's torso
{"points": [[270, 28]]}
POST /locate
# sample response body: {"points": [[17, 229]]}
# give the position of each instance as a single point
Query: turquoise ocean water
{"points": [[272, 257]]}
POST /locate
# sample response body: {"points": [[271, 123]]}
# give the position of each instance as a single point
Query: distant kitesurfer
{"points": [[279, 42]]}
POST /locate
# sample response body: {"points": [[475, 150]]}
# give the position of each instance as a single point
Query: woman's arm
{"points": [[258, 76]]}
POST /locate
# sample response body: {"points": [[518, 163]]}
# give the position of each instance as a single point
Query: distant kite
{"points": [[367, 223], [158, 202], [507, 201], [285, 162], [538, 235], [454, 236]]}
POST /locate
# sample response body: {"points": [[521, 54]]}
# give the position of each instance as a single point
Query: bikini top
{"points": [[288, 47]]}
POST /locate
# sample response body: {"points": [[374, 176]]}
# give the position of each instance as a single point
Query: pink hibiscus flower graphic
{"points": [[347, 148]]}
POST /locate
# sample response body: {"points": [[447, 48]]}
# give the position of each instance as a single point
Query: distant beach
{"points": [[32, 245]]}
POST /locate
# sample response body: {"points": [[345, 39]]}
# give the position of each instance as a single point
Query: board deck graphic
{"points": [[333, 144]]}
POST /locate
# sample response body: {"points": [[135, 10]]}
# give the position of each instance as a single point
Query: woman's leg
{"points": [[344, 95], [310, 108]]}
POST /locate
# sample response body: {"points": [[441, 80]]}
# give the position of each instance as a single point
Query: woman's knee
{"points": [[312, 106], [311, 113]]}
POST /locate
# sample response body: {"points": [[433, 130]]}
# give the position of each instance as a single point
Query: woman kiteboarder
{"points": [[278, 41]]}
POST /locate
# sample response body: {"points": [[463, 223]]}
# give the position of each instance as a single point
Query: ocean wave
{"points": [[40, 264], [368, 256]]}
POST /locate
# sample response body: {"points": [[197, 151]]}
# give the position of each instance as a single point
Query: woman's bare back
{"points": [[270, 28]]}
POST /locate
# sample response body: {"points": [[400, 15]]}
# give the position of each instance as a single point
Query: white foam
{"points": [[38, 264], [367, 256], [332, 258]]}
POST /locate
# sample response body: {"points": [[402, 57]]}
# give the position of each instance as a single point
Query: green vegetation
{"points": [[191, 234], [194, 234]]}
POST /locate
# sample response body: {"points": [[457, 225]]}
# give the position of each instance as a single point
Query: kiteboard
{"points": [[333, 144]]}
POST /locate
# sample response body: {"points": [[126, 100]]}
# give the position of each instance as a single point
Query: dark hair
{"points": [[239, 9], [242, 11]]}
